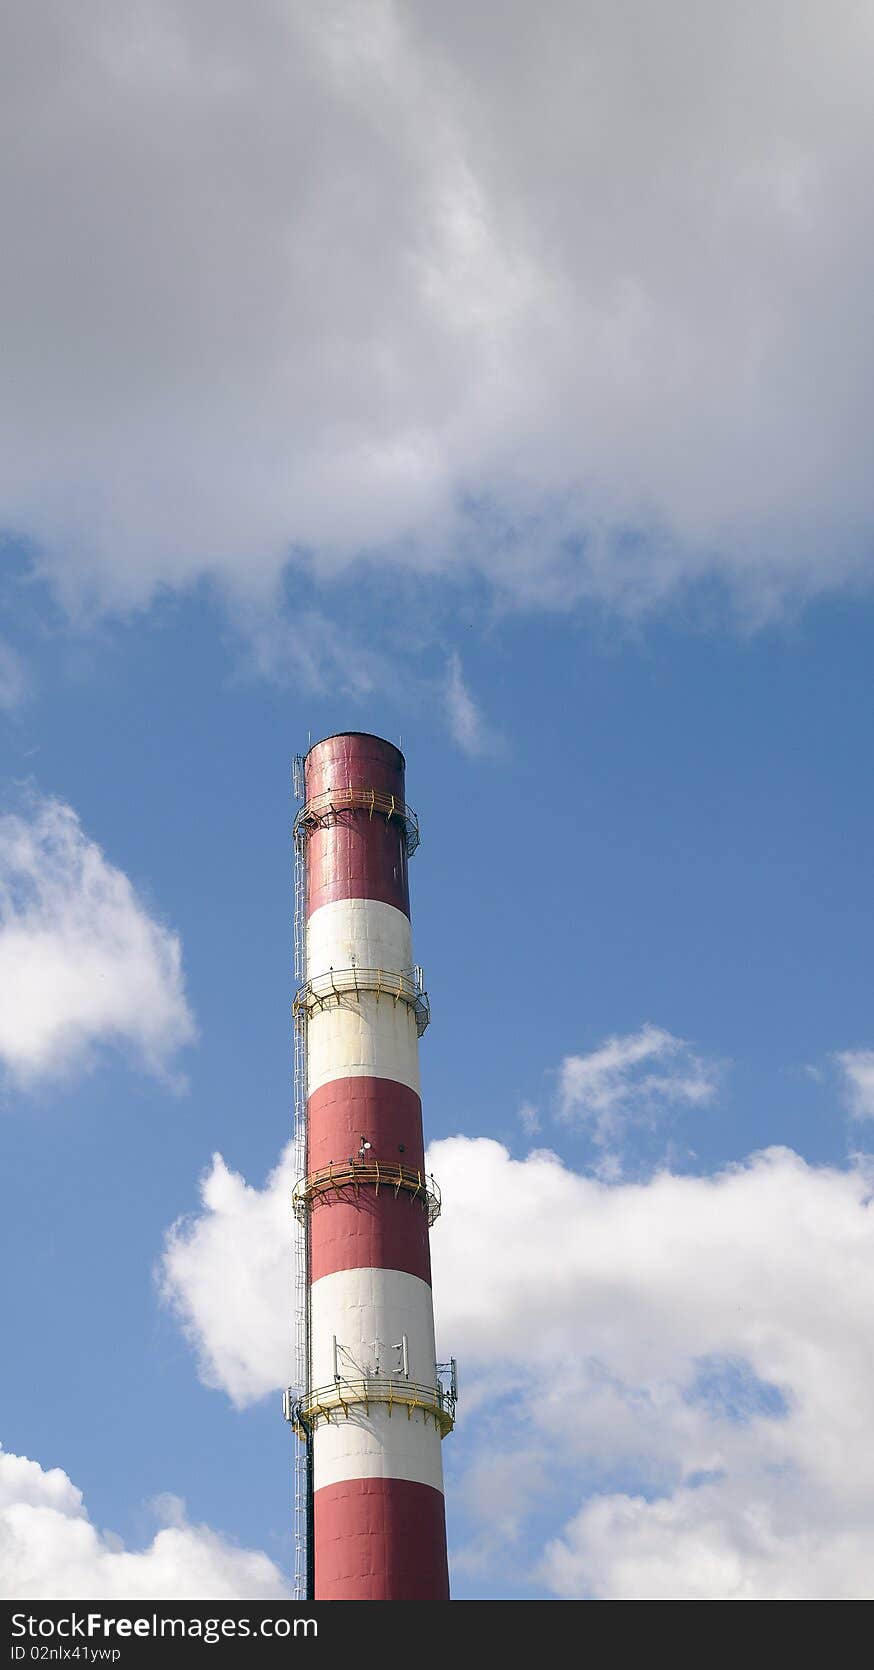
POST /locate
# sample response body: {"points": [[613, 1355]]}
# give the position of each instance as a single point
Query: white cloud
{"points": [[858, 1069], [82, 962], [721, 1540], [228, 1273], [51, 1550], [634, 1076], [475, 291], [13, 679], [529, 1119], [692, 1354], [467, 725], [705, 1337]]}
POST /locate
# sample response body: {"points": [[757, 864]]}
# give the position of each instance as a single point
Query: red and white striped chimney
{"points": [[375, 1407]]}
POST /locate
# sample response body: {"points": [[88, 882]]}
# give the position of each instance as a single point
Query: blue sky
{"points": [[665, 828], [374, 377]]}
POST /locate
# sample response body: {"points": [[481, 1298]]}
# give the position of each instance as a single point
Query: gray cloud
{"points": [[468, 289]]}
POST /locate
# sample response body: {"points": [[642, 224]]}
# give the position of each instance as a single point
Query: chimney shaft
{"points": [[374, 1408]]}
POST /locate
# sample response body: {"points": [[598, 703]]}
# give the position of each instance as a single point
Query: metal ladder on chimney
{"points": [[301, 1330]]}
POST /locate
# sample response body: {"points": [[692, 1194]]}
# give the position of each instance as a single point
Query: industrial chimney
{"points": [[372, 1405]]}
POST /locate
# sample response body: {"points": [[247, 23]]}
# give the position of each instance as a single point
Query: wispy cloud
{"points": [[13, 678], [467, 723], [529, 1119], [306, 648], [632, 1077], [857, 1067]]}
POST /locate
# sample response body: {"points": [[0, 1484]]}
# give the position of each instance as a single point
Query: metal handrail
{"points": [[326, 1402], [354, 1173], [323, 807], [398, 984]]}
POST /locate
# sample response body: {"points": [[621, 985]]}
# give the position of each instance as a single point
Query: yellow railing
{"points": [[370, 1173], [336, 1401], [324, 808], [400, 986]]}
